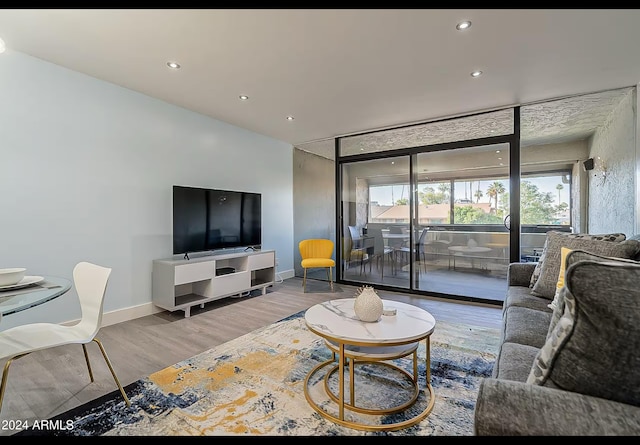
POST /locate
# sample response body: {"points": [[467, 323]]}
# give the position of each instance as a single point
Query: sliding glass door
{"points": [[375, 221], [432, 221], [423, 208], [461, 201]]}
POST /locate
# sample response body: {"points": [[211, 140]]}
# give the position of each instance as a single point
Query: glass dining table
{"points": [[20, 299]]}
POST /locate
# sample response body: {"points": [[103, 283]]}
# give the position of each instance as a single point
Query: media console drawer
{"points": [[225, 284], [188, 273], [261, 261]]}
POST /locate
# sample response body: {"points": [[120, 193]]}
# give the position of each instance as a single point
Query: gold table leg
{"points": [[340, 420], [341, 380]]}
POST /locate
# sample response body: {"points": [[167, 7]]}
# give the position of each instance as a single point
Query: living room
{"points": [[90, 159]]}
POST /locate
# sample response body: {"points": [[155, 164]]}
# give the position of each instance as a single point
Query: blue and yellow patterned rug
{"points": [[253, 385]]}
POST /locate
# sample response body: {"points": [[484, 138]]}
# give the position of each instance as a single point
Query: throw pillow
{"points": [[613, 237], [572, 257], [563, 259], [536, 272], [595, 347], [546, 284]]}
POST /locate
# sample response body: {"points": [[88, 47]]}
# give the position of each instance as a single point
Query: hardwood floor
{"points": [[47, 383]]}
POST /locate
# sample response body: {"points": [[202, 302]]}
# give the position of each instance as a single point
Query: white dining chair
{"points": [[90, 281]]}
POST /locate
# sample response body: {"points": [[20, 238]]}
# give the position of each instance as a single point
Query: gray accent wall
{"points": [[87, 172], [314, 202], [612, 197]]}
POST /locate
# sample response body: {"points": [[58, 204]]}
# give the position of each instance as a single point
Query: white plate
{"points": [[26, 281]]}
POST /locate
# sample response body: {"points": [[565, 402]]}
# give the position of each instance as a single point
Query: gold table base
{"points": [[339, 350]]}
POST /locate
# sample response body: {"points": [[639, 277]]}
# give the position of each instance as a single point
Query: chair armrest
{"points": [[510, 408], [519, 274]]}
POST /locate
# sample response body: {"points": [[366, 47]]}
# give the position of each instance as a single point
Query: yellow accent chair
{"points": [[316, 253]]}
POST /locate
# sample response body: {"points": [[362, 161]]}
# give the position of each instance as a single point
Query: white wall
{"points": [[86, 173], [315, 202]]}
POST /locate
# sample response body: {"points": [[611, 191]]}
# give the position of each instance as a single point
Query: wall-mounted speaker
{"points": [[588, 164]]}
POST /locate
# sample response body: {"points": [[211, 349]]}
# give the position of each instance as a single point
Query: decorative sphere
{"points": [[367, 305]]}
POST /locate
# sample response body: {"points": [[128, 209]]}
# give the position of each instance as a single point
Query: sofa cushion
{"points": [[613, 237], [520, 296], [519, 274], [526, 326], [508, 408], [594, 348], [546, 284], [514, 362]]}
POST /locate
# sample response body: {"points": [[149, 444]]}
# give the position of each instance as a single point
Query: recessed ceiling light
{"points": [[243, 97], [463, 25], [392, 162], [476, 74], [499, 159], [501, 163], [2, 46], [290, 118], [173, 65], [497, 151]]}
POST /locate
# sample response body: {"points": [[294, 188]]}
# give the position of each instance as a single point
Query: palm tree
{"points": [[558, 188], [494, 190], [478, 194], [444, 187]]}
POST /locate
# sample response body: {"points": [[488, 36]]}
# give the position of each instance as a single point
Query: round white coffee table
{"points": [[354, 342]]}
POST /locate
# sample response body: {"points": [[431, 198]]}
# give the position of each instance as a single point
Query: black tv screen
{"points": [[210, 219]]}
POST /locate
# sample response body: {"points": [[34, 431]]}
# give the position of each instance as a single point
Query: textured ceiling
{"points": [[552, 122], [337, 71]]}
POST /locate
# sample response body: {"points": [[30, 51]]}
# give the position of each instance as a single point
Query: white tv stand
{"points": [[181, 284]]}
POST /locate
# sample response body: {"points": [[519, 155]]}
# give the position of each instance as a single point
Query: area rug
{"points": [[253, 385]]}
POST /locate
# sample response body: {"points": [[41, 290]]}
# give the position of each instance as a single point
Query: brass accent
{"points": [[351, 404], [113, 373], [304, 281], [329, 276], [5, 373], [343, 356]]}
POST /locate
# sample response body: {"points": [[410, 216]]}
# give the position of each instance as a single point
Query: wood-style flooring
{"points": [[50, 382]]}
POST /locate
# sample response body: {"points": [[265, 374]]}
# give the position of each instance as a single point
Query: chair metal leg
{"points": [[304, 281], [86, 357], [331, 278], [5, 374], [113, 373]]}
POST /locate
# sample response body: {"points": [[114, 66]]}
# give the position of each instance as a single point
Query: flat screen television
{"points": [[209, 219]]}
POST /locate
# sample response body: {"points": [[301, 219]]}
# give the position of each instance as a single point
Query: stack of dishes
{"points": [[15, 278]]}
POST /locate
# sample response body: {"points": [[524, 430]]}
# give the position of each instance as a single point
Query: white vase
{"points": [[367, 305]]}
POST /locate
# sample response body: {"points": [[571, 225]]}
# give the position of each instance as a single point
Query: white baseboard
{"points": [[142, 310], [130, 313], [287, 274], [126, 314]]}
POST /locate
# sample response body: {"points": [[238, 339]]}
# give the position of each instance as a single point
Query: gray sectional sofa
{"points": [[507, 405]]}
